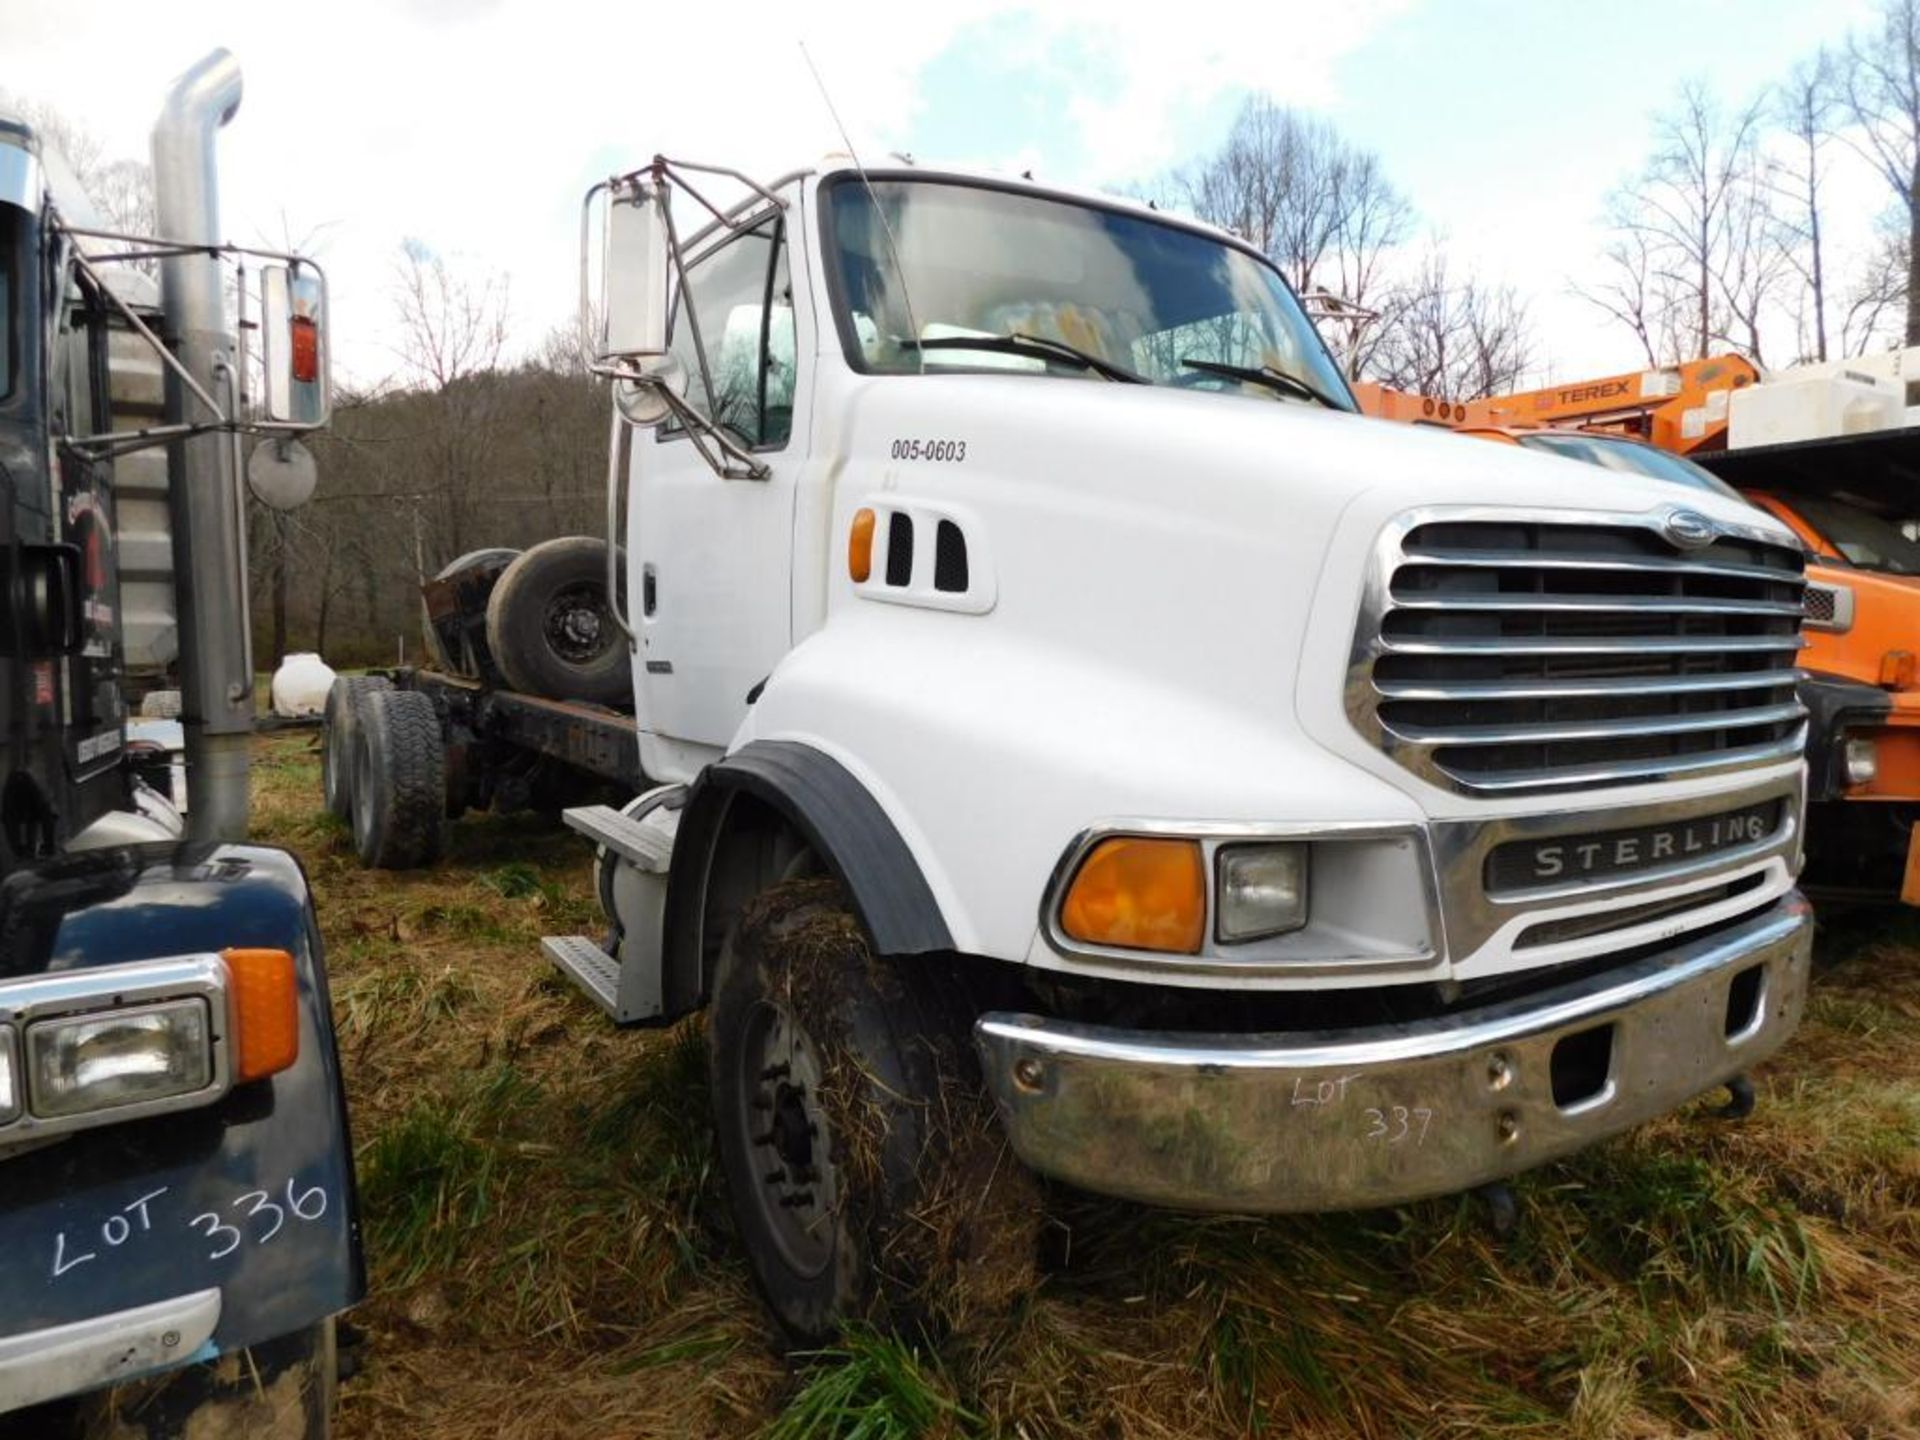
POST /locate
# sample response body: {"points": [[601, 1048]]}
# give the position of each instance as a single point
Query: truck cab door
{"points": [[710, 559]]}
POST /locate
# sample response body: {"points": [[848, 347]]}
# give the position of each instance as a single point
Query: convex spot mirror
{"points": [[294, 344], [281, 473]]}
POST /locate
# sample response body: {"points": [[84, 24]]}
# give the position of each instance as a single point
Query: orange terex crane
{"points": [[1682, 408], [1852, 496]]}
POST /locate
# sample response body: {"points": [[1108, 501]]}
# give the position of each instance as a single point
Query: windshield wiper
{"points": [[1037, 346], [1268, 376]]}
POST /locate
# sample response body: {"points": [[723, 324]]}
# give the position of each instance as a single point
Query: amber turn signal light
{"points": [[860, 547], [1139, 893], [266, 1012]]}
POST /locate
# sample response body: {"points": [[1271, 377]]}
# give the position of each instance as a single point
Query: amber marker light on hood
{"points": [[266, 1012], [1139, 893], [860, 547]]}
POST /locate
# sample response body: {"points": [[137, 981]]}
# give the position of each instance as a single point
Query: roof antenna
{"points": [[893, 250]]}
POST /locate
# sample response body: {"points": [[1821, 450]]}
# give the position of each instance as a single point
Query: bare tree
{"points": [[1882, 98], [1877, 299], [1684, 270], [1634, 291], [1460, 340], [1753, 263], [1320, 208], [452, 326], [453, 333], [1805, 104]]}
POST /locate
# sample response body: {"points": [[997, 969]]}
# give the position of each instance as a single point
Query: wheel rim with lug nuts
{"points": [[576, 625], [795, 1188]]}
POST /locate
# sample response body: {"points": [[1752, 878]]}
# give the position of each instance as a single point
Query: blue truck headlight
{"points": [[9, 1078], [1262, 891], [105, 1059]]}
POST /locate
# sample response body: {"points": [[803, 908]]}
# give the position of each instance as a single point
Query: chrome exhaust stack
{"points": [[205, 500]]}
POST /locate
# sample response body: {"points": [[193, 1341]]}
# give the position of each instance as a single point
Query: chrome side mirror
{"points": [[627, 331], [293, 345], [637, 253]]}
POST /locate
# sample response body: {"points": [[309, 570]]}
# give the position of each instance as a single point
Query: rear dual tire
{"points": [[340, 726], [399, 797]]}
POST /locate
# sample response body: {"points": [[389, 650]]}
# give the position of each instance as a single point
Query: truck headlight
{"points": [[9, 1079], [99, 1061], [1262, 891], [1860, 760]]}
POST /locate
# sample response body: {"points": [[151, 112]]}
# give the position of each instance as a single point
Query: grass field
{"points": [[551, 1255]]}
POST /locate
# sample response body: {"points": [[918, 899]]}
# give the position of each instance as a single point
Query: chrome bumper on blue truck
{"points": [[1348, 1119]]}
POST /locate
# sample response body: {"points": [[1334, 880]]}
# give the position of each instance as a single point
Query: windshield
{"points": [[1632, 457], [1133, 293], [1864, 539]]}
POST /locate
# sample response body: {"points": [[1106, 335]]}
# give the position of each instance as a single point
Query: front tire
{"points": [[866, 1175]]}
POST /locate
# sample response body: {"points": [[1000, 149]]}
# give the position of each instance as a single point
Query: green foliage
{"points": [[871, 1387], [514, 881]]}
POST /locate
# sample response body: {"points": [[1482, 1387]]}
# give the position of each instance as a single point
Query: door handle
{"points": [[649, 590]]}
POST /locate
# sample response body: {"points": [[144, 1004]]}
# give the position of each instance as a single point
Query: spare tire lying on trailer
{"points": [[551, 628], [399, 782]]}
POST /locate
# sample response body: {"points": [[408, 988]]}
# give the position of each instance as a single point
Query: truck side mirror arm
{"points": [[640, 256]]}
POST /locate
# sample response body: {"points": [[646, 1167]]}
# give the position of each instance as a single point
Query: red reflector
{"points": [[306, 349]]}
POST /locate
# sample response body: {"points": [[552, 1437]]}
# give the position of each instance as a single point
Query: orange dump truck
{"points": [[1852, 508], [1851, 497]]}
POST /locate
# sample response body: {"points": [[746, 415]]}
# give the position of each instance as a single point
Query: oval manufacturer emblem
{"points": [[1689, 529]]}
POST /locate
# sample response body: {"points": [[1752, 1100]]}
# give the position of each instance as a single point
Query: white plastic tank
{"points": [[300, 686]]}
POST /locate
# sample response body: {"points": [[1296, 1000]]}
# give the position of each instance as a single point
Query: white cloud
{"points": [[475, 127]]}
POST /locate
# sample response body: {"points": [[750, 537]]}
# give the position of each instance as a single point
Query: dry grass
{"points": [[551, 1257]]}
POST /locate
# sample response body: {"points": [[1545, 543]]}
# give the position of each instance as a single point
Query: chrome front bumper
{"points": [[70, 1359], [1348, 1119]]}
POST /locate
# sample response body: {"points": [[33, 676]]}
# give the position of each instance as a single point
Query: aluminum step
{"points": [[647, 846], [627, 997], [588, 966]]}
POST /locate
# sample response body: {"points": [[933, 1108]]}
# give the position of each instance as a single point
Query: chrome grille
{"points": [[1506, 655]]}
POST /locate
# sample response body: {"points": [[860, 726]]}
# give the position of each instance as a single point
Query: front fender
{"points": [[990, 751], [252, 1195]]}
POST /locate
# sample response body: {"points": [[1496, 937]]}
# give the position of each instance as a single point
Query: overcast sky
{"points": [[472, 126]]}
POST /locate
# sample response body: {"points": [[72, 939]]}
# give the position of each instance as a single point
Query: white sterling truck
{"points": [[1031, 676]]}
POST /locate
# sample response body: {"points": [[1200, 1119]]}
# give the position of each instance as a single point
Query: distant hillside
{"points": [[408, 481]]}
